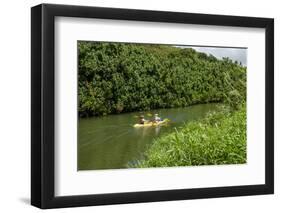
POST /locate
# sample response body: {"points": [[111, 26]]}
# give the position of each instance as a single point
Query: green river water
{"points": [[111, 142]]}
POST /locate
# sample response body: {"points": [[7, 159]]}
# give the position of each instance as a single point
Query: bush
{"points": [[120, 77]]}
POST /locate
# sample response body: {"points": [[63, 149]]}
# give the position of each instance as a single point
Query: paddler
{"points": [[157, 118], [142, 120]]}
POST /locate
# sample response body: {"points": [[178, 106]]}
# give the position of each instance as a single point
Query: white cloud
{"points": [[235, 54]]}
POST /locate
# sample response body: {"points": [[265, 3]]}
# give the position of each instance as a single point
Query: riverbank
{"points": [[116, 78], [219, 138]]}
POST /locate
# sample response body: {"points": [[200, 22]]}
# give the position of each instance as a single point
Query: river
{"points": [[111, 142]]}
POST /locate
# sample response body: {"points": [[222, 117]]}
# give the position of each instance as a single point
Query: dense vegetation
{"points": [[220, 138], [119, 77]]}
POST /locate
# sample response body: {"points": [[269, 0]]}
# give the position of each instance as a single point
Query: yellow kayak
{"points": [[165, 121]]}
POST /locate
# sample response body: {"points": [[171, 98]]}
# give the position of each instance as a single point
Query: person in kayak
{"points": [[157, 118], [142, 120]]}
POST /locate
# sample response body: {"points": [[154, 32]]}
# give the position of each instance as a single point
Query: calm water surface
{"points": [[111, 142]]}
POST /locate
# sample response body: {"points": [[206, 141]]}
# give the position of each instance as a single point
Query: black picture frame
{"points": [[43, 102]]}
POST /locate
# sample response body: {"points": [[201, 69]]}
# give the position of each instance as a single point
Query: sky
{"points": [[236, 54]]}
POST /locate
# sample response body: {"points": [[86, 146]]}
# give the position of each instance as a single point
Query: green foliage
{"points": [[220, 138], [120, 77]]}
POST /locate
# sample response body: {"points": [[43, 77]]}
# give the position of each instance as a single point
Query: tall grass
{"points": [[220, 138]]}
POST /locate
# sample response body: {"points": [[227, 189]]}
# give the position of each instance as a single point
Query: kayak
{"points": [[148, 124]]}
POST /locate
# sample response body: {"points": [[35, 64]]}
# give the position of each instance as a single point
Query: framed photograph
{"points": [[139, 106]]}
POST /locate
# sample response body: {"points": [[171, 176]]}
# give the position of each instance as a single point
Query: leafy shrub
{"points": [[120, 77]]}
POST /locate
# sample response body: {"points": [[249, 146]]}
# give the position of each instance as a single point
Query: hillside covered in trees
{"points": [[121, 77]]}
